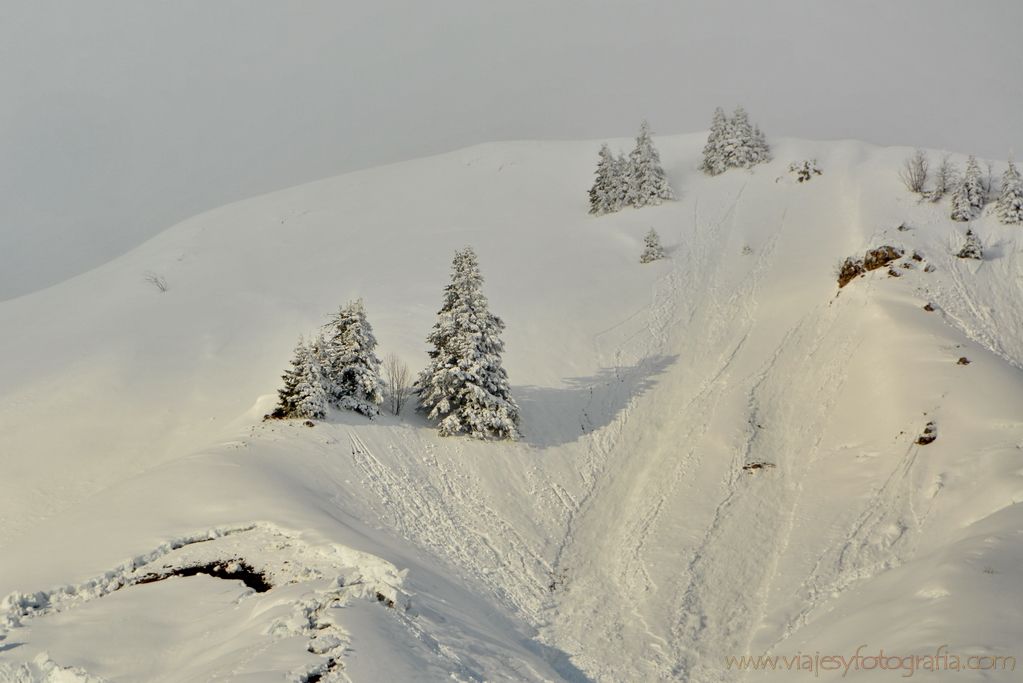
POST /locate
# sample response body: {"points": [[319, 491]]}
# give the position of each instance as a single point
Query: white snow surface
{"points": [[620, 539]]}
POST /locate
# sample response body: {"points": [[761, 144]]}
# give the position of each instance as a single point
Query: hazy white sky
{"points": [[120, 118]]}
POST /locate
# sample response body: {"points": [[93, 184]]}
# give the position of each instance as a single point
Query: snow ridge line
{"points": [[356, 575], [17, 605], [43, 668]]}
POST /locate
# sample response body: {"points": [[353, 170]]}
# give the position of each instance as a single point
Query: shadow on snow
{"points": [[554, 416]]}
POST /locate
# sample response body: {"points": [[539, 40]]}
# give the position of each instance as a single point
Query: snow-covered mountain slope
{"points": [[621, 539]]}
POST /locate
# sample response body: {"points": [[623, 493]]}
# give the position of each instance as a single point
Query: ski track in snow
{"points": [[962, 309], [725, 600], [727, 331], [435, 514]]}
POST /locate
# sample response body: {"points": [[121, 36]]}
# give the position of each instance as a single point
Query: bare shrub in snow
{"points": [[988, 181], [944, 178], [914, 172], [399, 382], [157, 281]]}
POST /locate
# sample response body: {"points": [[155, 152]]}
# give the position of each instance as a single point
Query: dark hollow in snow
{"points": [[750, 467], [317, 676], [230, 570]]}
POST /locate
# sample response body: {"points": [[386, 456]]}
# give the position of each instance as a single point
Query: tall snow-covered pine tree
{"points": [[972, 247], [352, 366], [653, 250], [969, 196], [713, 152], [1010, 199], [303, 393], [739, 149], [605, 195], [622, 173], [648, 184], [465, 386]]}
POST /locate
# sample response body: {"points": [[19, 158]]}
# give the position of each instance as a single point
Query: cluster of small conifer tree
{"points": [[637, 180], [733, 143], [968, 191]]}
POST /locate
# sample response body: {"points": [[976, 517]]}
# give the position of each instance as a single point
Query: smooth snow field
{"points": [[154, 528]]}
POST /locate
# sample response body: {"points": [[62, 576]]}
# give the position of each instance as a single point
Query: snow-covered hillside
{"points": [[621, 539]]}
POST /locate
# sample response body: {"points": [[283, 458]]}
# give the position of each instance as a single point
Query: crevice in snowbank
{"points": [[231, 570]]}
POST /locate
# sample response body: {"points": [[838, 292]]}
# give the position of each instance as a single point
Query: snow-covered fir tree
{"points": [[465, 386], [648, 185], [352, 366], [1010, 199], [805, 170], [623, 171], [739, 150], [653, 250], [714, 150], [605, 195], [303, 394], [969, 196], [972, 248]]}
